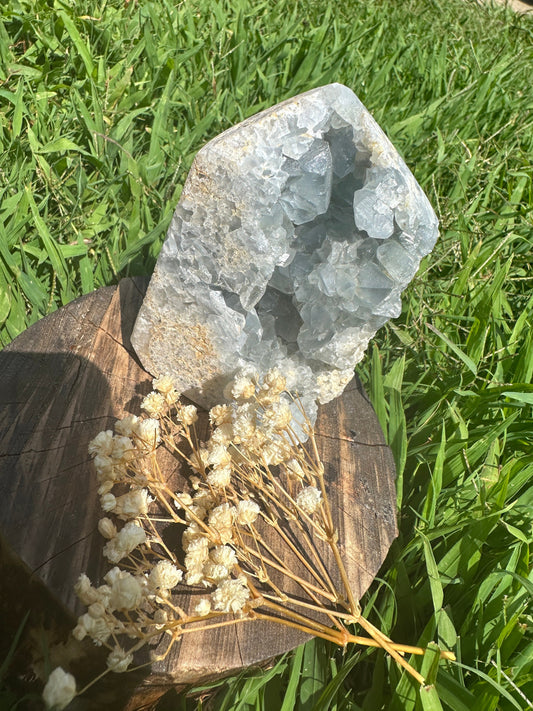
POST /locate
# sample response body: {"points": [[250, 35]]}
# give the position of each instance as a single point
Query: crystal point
{"points": [[295, 234]]}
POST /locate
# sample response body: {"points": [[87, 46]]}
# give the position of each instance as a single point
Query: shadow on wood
{"points": [[72, 375]]}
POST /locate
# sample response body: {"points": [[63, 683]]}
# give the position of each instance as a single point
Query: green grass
{"points": [[103, 106]]}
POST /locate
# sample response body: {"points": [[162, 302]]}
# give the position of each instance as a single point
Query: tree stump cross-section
{"points": [[62, 381]]}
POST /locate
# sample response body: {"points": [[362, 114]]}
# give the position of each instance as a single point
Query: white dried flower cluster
{"points": [[231, 483], [231, 595], [247, 512], [114, 453], [208, 558], [60, 689], [118, 660], [147, 435], [107, 528], [202, 607], [154, 404], [252, 427], [164, 576], [127, 539], [165, 386], [187, 415], [121, 592], [309, 499]]}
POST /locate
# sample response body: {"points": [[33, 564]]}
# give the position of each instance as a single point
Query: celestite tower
{"points": [[294, 236]]}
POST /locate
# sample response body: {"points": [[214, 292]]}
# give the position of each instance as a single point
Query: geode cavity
{"points": [[294, 236]]}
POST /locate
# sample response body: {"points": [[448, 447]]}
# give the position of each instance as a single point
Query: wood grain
{"points": [[70, 376]]}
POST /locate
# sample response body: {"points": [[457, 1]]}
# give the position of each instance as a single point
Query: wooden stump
{"points": [[72, 375]]}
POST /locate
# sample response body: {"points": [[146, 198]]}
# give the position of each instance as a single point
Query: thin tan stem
{"points": [[288, 572], [215, 625], [401, 648], [281, 595], [332, 533], [307, 538], [306, 563], [296, 578], [301, 627], [284, 611], [354, 639], [354, 605], [282, 489], [171, 556], [387, 646], [332, 614]]}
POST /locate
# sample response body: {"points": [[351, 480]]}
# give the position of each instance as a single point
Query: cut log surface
{"points": [[72, 375]]}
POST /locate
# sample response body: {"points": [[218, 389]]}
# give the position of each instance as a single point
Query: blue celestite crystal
{"points": [[294, 236]]}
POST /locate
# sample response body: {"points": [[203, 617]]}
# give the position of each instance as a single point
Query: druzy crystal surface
{"points": [[294, 236]]}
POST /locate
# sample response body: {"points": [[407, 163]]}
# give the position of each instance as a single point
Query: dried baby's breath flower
{"points": [[105, 487], [127, 426], [242, 388], [218, 456], [199, 459], [182, 499], [133, 504], [60, 689], [274, 381], [202, 607], [192, 533], [122, 448], [205, 499], [187, 415], [220, 415], [118, 660], [172, 397], [126, 592], [309, 499], [244, 422], [278, 416], [294, 469], [247, 512], [107, 528], [223, 555], [164, 575], [102, 444], [108, 502], [274, 453], [231, 595], [85, 591], [163, 384], [148, 434], [154, 404], [198, 547], [104, 465], [195, 512], [214, 572], [96, 610], [223, 434], [219, 477], [194, 575], [97, 628], [221, 520], [126, 540], [271, 388], [222, 515]]}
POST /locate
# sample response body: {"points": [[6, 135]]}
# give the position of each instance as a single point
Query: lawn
{"points": [[103, 106]]}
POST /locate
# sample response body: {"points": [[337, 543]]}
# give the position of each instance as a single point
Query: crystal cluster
{"points": [[294, 236]]}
